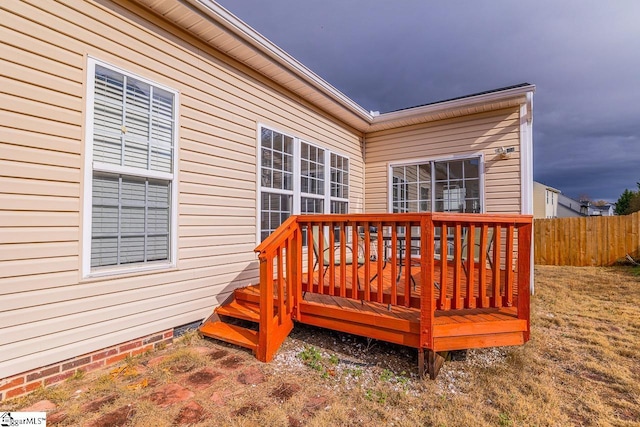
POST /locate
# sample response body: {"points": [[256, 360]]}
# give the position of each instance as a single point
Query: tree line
{"points": [[628, 202]]}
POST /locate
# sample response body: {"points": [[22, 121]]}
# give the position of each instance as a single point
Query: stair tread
{"points": [[248, 293], [240, 310], [231, 333]]}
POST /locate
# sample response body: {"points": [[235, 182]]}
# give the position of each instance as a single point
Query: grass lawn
{"points": [[581, 367]]}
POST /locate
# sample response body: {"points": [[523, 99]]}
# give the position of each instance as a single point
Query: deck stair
{"points": [[236, 321]]}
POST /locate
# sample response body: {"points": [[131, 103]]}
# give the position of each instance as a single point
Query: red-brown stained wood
{"points": [[444, 303], [343, 259], [332, 257], [508, 297], [480, 341], [524, 275], [470, 301], [407, 263], [406, 308], [456, 301], [483, 301]]}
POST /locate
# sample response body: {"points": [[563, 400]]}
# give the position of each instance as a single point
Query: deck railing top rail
{"points": [[416, 217], [278, 237]]}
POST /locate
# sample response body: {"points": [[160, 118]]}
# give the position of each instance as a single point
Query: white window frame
{"points": [[432, 160], [296, 193], [329, 181], [90, 167], [297, 159]]}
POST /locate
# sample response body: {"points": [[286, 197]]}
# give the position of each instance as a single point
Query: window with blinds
{"points": [[133, 146]]}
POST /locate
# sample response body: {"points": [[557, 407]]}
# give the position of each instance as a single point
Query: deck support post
{"points": [[435, 362], [421, 362]]}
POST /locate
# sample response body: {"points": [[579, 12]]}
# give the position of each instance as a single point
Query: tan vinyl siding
{"points": [[469, 135], [49, 312]]}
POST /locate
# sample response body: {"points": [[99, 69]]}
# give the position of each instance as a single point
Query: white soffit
{"points": [[223, 31]]}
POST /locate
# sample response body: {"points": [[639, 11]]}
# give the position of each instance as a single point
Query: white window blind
{"points": [[133, 157]]}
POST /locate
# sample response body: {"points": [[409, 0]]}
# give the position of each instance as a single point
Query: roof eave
{"points": [[423, 114], [250, 36], [251, 48]]}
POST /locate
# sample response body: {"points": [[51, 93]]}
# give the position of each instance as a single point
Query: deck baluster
{"points": [[483, 300], [445, 302], [407, 264], [332, 258], [354, 265], [367, 264], [457, 301], [496, 298], [343, 259], [280, 284], [470, 301], [508, 268], [379, 264]]}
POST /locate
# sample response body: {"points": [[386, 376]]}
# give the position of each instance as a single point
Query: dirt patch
{"points": [[218, 354], [248, 410], [119, 417], [203, 378], [191, 413], [285, 391], [232, 362]]}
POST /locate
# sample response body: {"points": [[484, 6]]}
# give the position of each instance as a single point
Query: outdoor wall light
{"points": [[505, 153]]}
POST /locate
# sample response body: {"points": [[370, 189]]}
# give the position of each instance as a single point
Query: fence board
{"points": [[586, 241]]}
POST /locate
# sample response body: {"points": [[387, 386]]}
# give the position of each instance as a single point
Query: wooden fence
{"points": [[586, 241]]}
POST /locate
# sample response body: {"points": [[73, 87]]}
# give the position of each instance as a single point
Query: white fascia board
{"points": [[230, 22], [455, 104]]}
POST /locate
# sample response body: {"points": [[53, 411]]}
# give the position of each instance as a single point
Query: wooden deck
{"points": [[312, 271]]}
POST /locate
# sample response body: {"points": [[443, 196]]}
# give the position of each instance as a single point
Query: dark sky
{"points": [[583, 57]]}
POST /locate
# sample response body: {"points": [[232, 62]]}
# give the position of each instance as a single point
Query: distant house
{"points": [[607, 210], [149, 146], [568, 207], [545, 201], [589, 209]]}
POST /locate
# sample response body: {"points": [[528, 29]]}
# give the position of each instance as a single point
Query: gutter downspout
{"points": [[526, 169], [363, 151]]}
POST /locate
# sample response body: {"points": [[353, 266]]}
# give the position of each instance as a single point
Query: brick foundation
{"points": [[26, 382]]}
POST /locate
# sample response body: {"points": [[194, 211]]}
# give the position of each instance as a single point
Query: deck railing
{"points": [[280, 279], [438, 261]]}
